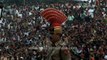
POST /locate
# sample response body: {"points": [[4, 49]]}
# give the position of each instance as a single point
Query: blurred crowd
{"points": [[24, 33]]}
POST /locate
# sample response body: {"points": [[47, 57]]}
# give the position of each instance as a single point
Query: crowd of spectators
{"points": [[23, 32]]}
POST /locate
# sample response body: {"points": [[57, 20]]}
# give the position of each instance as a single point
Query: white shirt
{"points": [[105, 57]]}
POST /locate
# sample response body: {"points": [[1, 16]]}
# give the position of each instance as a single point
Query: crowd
{"points": [[24, 33]]}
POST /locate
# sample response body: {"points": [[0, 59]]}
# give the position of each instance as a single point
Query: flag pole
{"points": [[1, 8]]}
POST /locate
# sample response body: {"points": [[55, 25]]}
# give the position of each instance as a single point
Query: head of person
{"points": [[55, 35]]}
